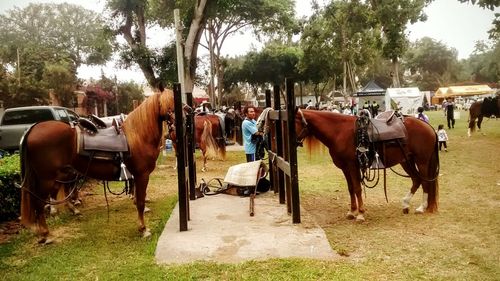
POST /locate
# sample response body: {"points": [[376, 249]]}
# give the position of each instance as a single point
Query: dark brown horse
{"points": [[209, 137], [49, 154], [488, 107], [418, 157]]}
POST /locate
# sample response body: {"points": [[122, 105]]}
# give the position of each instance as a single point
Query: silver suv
{"points": [[15, 121]]}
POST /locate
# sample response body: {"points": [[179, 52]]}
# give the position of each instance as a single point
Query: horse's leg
{"points": [[415, 185], [351, 214], [141, 183], [42, 229], [205, 156], [356, 183], [479, 121], [355, 192]]}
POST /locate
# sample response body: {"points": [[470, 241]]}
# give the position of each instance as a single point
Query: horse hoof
{"points": [[146, 233], [147, 210], [45, 241], [419, 210], [78, 202], [350, 216], [406, 211], [360, 218], [76, 212]]}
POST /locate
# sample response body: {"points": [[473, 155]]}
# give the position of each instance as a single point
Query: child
{"points": [[442, 137], [420, 115]]}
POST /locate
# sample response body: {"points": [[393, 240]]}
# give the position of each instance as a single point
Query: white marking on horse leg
{"points": [[406, 200], [52, 208], [468, 132], [421, 209], [360, 218], [146, 233], [351, 215]]}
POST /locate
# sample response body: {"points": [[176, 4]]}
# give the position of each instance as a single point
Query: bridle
{"points": [[305, 129]]}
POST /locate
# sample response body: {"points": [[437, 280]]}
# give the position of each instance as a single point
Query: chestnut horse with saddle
{"points": [[403, 140], [53, 152]]}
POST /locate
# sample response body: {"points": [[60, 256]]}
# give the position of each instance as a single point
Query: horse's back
{"points": [[50, 143]]}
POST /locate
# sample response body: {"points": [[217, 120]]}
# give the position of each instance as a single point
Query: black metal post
{"points": [[292, 150], [191, 143], [181, 157], [279, 144]]}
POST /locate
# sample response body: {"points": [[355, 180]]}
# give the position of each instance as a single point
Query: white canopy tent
{"points": [[407, 99]]}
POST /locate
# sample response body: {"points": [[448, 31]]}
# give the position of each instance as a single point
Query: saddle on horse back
{"points": [[96, 140], [385, 127]]}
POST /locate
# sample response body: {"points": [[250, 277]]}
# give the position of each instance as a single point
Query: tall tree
{"points": [[393, 17], [231, 16], [132, 18], [338, 41], [483, 66], [44, 41], [431, 63]]}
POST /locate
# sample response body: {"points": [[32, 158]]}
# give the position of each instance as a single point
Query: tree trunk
{"points": [[395, 77], [192, 42]]}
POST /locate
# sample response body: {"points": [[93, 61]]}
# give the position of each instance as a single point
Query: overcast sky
{"points": [[455, 24]]}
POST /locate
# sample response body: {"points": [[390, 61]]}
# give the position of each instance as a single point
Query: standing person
{"points": [[421, 115], [366, 105], [442, 137], [375, 108], [250, 133], [450, 114]]}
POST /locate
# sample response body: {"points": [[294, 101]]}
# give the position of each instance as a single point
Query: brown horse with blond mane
{"points": [[418, 157], [209, 137], [49, 154]]}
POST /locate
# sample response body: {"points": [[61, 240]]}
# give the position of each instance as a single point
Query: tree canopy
{"points": [[44, 44]]}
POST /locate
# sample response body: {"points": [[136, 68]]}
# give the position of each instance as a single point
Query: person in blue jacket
{"points": [[250, 133]]}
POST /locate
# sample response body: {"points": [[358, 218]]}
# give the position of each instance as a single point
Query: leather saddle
{"points": [[93, 138], [386, 126]]}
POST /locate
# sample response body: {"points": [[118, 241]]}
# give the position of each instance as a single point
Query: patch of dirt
{"points": [[8, 230]]}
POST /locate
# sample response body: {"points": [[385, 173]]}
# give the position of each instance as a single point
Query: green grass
{"points": [[458, 243]]}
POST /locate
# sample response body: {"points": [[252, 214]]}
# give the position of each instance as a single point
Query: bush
{"points": [[10, 195]]}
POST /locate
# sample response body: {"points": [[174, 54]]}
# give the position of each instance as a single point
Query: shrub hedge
{"points": [[10, 195]]}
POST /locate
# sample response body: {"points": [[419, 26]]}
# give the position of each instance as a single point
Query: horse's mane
{"points": [[314, 146], [142, 123]]}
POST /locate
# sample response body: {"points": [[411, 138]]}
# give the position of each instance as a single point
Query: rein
{"points": [[305, 130]]}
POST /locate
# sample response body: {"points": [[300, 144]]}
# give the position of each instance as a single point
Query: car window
{"points": [[28, 116], [63, 116]]}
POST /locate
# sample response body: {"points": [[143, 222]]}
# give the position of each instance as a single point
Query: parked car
{"points": [[15, 122]]}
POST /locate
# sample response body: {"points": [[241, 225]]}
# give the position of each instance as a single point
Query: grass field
{"points": [[460, 242]]}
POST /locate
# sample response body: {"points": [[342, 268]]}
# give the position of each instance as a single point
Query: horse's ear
{"points": [[160, 86]]}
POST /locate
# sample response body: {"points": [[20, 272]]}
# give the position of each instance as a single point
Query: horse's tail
{"points": [[28, 181], [208, 139], [221, 143], [433, 195]]}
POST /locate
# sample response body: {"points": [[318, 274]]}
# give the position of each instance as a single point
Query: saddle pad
{"points": [[380, 130], [105, 142], [244, 174]]}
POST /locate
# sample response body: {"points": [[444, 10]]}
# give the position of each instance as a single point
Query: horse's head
{"points": [[166, 103], [301, 127]]}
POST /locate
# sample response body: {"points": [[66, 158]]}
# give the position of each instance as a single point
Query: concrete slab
{"points": [[221, 230]]}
